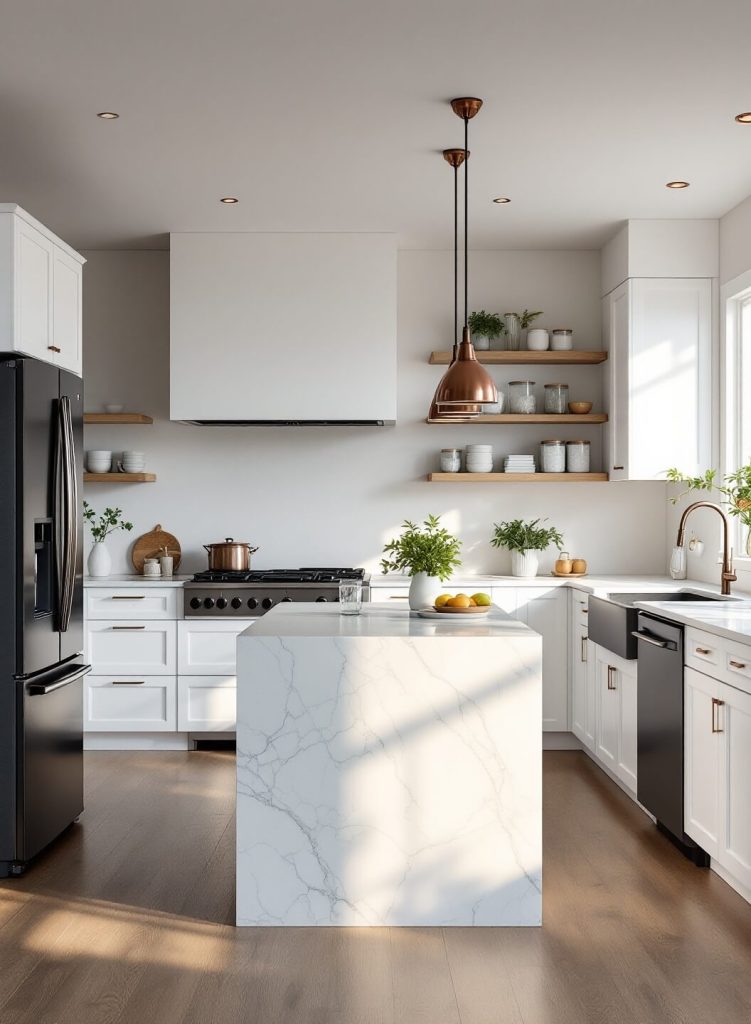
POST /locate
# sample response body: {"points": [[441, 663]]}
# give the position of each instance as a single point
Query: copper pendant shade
{"points": [[466, 385]]}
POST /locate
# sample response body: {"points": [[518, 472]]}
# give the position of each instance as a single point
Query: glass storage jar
{"points": [[521, 398], [451, 460], [577, 456], [553, 456], [556, 398]]}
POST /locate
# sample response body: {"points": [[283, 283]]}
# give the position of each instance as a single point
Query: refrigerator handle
{"points": [[66, 506], [59, 514]]}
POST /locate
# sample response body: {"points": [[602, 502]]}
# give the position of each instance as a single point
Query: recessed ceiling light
{"points": [[229, 200], [744, 118], [108, 115], [676, 184], [502, 199]]}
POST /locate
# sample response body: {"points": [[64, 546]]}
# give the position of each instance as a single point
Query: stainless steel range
{"points": [[250, 594]]}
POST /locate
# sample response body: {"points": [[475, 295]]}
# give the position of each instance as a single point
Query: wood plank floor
{"points": [[128, 919]]}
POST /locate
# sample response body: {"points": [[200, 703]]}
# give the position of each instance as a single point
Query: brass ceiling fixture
{"points": [[677, 184], [744, 118], [465, 382]]}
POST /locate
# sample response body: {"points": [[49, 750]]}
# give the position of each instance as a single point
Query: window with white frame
{"points": [[737, 392]]}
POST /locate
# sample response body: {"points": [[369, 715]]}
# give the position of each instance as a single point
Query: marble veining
{"points": [[388, 780]]}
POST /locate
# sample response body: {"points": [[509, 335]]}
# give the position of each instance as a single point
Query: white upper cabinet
{"points": [[659, 377], [40, 291], [277, 328]]}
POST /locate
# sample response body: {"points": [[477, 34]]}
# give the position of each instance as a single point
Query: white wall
{"points": [[735, 242], [334, 495]]}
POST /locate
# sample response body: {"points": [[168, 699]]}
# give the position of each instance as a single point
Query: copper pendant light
{"points": [[465, 382]]}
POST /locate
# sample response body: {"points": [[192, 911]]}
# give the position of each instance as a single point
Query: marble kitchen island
{"points": [[388, 769]]}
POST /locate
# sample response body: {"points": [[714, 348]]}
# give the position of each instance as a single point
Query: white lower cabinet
{"points": [[717, 744], [134, 647], [130, 704], [583, 705], [615, 715], [208, 648], [206, 703]]}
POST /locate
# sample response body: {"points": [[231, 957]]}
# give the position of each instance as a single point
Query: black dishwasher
{"points": [[660, 729]]}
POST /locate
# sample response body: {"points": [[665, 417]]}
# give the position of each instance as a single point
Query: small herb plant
{"points": [[526, 318], [735, 487], [520, 536], [109, 521], [429, 548], [489, 325]]}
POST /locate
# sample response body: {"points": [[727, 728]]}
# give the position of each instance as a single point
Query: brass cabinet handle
{"points": [[399, 597], [617, 467], [584, 648], [737, 664], [585, 611], [128, 682], [611, 676], [128, 597], [715, 715], [128, 627], [53, 348], [703, 650]]}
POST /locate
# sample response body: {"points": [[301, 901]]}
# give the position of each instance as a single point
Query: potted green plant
{"points": [[735, 488], [524, 540], [485, 327], [429, 554], [99, 562]]}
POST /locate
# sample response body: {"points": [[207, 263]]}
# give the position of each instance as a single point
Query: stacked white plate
{"points": [[478, 458], [134, 462], [519, 464]]}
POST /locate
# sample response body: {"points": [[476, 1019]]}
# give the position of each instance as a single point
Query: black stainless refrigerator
{"points": [[41, 607]]}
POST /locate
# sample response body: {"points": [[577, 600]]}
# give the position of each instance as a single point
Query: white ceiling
{"points": [[330, 115]]}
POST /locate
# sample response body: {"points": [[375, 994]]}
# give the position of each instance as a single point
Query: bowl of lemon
{"points": [[461, 604]]}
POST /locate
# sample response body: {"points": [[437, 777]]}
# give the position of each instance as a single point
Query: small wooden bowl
{"points": [[579, 408]]}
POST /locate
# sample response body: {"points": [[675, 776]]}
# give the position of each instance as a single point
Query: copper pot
{"points": [[230, 555]]}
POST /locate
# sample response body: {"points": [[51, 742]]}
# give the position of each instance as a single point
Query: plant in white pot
{"points": [[429, 554], [99, 561], [524, 541], [485, 327]]}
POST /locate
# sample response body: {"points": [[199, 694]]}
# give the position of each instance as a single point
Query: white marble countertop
{"points": [[731, 619], [134, 580], [596, 583], [379, 620]]}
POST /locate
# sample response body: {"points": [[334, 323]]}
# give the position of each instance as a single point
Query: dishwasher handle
{"points": [[667, 645]]}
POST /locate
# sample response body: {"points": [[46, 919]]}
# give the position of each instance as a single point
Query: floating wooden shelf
{"points": [[516, 417], [119, 478], [517, 478], [524, 357], [116, 417]]}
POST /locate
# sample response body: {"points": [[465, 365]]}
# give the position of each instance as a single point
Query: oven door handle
{"points": [[666, 645]]}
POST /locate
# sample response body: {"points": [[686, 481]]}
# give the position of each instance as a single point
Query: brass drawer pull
{"points": [[128, 627], [128, 682], [585, 611], [53, 348], [399, 597], [128, 597], [584, 648], [715, 715], [737, 664], [703, 650], [611, 677]]}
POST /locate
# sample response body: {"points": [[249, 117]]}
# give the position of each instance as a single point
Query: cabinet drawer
{"points": [[702, 650], [124, 703], [206, 703], [580, 607], [128, 602], [208, 648], [737, 662], [395, 595], [132, 648]]}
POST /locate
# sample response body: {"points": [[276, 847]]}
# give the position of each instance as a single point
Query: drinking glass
{"points": [[350, 597]]}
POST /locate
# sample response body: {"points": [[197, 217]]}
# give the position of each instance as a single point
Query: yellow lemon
{"points": [[460, 601], [482, 600], [441, 600]]}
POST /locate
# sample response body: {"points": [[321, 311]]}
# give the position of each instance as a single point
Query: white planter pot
{"points": [[423, 590], [524, 563], [481, 342], [99, 562]]}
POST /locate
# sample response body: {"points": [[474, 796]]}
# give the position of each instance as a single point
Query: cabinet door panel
{"points": [[206, 703], [608, 711], [617, 334], [627, 746], [701, 808], [33, 292], [734, 719], [66, 310], [133, 647], [582, 691], [545, 611], [208, 648]]}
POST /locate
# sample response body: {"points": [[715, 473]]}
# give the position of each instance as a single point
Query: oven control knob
{"points": [[209, 602], [221, 602], [195, 602], [236, 602], [286, 599], [321, 600], [252, 602], [267, 602]]}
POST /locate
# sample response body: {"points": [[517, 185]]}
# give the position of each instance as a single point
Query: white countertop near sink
{"points": [[134, 580], [595, 584], [731, 619]]}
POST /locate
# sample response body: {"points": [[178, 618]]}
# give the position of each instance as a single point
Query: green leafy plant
{"points": [[735, 488], [109, 521], [526, 318], [429, 548], [489, 325], [517, 535]]}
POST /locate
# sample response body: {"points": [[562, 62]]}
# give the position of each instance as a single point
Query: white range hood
{"points": [[283, 328]]}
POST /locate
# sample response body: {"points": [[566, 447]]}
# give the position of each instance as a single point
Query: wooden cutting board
{"points": [[152, 544]]}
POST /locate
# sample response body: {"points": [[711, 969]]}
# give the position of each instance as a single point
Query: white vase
{"points": [[99, 562], [524, 563], [481, 342], [423, 590]]}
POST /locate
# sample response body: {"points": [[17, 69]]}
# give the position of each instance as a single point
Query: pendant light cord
{"points": [[466, 221], [456, 258]]}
